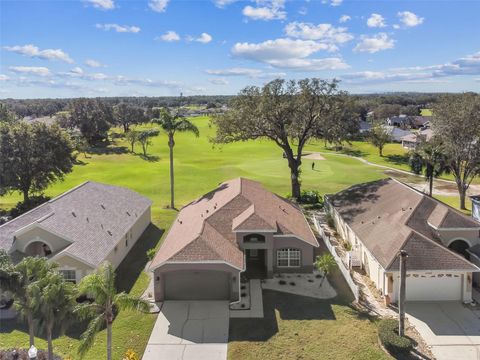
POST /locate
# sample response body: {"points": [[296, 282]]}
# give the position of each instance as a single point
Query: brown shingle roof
{"points": [[205, 229], [387, 216], [93, 216]]}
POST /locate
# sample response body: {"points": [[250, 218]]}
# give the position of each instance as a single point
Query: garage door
{"points": [[427, 288], [197, 285]]}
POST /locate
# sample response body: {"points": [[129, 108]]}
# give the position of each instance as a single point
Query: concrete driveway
{"points": [[451, 329], [190, 330]]}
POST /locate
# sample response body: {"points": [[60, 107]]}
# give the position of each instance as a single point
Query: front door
{"points": [[256, 264]]}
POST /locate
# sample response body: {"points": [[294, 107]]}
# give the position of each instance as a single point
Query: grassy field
{"points": [[199, 168], [426, 112]]}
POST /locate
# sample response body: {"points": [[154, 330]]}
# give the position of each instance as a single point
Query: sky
{"points": [[73, 48]]}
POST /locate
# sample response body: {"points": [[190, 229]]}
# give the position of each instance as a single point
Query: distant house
{"points": [[401, 121], [381, 218], [365, 127], [79, 229], [411, 141], [396, 133], [239, 229], [419, 121]]}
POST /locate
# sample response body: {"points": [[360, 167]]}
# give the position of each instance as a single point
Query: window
{"points": [[254, 238], [288, 258], [69, 275], [126, 242]]}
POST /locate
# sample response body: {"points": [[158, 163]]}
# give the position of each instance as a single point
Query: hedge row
{"points": [[388, 334]]}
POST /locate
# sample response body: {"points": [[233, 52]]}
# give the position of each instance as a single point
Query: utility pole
{"points": [[401, 303]]}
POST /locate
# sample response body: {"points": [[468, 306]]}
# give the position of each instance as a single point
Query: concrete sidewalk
{"points": [[190, 330]]}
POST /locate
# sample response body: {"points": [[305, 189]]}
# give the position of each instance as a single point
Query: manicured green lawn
{"points": [[199, 168], [426, 112]]}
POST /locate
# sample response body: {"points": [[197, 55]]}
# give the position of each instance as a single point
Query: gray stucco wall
{"points": [[55, 242], [160, 273], [470, 236], [306, 249]]}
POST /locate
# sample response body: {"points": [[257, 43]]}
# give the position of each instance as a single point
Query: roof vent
{"points": [[379, 216], [181, 222], [101, 225], [109, 232], [201, 215], [207, 211], [88, 220], [103, 206], [128, 213], [74, 215]]}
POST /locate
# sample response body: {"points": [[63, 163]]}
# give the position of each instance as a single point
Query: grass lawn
{"points": [[199, 168], [426, 112]]}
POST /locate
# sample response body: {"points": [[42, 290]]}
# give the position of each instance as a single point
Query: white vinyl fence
{"points": [[341, 265]]}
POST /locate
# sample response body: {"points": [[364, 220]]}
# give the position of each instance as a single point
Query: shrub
{"points": [[330, 221], [23, 207], [310, 197], [130, 355], [388, 334], [151, 254]]}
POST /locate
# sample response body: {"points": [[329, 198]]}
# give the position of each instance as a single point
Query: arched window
{"points": [[289, 257], [254, 238], [460, 247]]}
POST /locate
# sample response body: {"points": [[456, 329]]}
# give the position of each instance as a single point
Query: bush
{"points": [[130, 355], [330, 221], [23, 207], [388, 334], [310, 197], [151, 254]]}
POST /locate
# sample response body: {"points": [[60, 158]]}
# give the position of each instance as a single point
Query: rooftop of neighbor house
{"points": [[93, 217], [388, 216], [205, 229]]}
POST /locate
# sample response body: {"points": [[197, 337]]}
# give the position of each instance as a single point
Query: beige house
{"points": [[238, 229], [79, 229], [381, 218]]}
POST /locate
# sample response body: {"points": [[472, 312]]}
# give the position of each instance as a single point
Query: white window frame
{"points": [[64, 271], [290, 255]]}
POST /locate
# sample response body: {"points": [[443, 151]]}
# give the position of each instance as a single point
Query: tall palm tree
{"points": [[171, 122], [53, 302], [430, 159], [19, 279], [99, 287]]}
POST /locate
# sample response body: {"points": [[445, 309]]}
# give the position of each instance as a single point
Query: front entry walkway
{"points": [[449, 328], [190, 330]]}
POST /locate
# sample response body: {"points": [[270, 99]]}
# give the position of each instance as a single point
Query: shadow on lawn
{"points": [[134, 263], [291, 307], [397, 159]]}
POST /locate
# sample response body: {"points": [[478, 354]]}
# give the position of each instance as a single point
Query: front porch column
{"points": [[269, 255]]}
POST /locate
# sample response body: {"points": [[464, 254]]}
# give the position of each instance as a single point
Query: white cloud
{"points": [[333, 2], [223, 3], [4, 77], [102, 4], [277, 49], [303, 10], [77, 70], [321, 32], [332, 63], [219, 81], [158, 5], [468, 65], [34, 52], [266, 10], [344, 18], [376, 21], [169, 36], [118, 28], [204, 38], [374, 43], [409, 19], [477, 79], [248, 72], [93, 63], [31, 70]]}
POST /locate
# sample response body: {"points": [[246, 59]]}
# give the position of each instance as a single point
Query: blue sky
{"points": [[160, 47]]}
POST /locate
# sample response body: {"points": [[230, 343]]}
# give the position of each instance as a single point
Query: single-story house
{"points": [[401, 121], [396, 133], [238, 229], [79, 229], [411, 141], [420, 121], [382, 217]]}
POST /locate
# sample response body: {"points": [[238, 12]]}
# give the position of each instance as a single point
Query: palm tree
{"points": [[99, 287], [429, 158], [19, 280], [171, 122], [325, 263], [53, 302]]}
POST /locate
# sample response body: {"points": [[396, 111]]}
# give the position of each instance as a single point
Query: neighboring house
{"points": [[401, 121], [238, 229], [79, 229], [365, 127], [420, 121], [381, 218], [396, 133], [411, 141], [476, 207]]}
